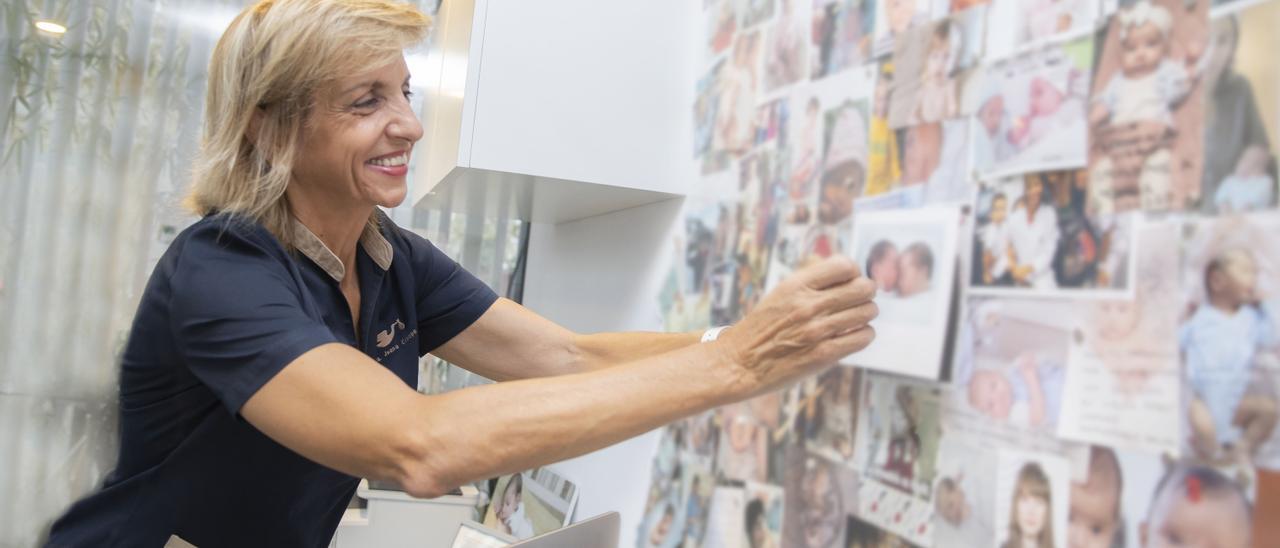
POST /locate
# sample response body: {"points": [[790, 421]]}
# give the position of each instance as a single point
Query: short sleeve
{"points": [[237, 313], [449, 299]]}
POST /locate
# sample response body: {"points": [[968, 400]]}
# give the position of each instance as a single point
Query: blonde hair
{"points": [[271, 62]]}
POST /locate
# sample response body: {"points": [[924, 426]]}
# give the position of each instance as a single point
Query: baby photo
{"points": [[704, 110], [935, 163], [963, 493], [1031, 500], [932, 63], [1163, 503], [897, 448], [786, 46], [826, 413], [738, 93], [1031, 112], [1241, 112], [844, 164], [1035, 23], [1229, 338], [762, 516], [841, 35], [1033, 235], [819, 494], [531, 503], [1123, 380], [911, 256], [895, 17], [1016, 371], [1146, 111], [751, 435], [677, 515]]}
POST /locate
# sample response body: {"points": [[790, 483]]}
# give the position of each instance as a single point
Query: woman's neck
{"points": [[338, 225]]}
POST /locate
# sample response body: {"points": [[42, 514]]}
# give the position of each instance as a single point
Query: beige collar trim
{"points": [[374, 243]]}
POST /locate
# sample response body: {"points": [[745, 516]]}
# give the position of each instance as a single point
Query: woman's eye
{"points": [[367, 103], [408, 94]]}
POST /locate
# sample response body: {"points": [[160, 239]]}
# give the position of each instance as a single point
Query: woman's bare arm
{"points": [[337, 407], [511, 342]]}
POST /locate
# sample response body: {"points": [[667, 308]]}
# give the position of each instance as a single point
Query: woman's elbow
{"points": [[416, 464]]}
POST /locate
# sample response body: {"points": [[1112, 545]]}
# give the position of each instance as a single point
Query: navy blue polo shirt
{"points": [[227, 308]]}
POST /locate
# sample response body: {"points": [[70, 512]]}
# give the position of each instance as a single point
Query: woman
{"points": [[275, 349]]}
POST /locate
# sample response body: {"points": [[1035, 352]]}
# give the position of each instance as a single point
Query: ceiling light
{"points": [[51, 27]]}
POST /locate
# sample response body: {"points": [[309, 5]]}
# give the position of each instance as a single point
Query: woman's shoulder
{"points": [[220, 236]]}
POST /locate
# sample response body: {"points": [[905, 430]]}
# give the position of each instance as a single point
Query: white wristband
{"points": [[713, 333]]}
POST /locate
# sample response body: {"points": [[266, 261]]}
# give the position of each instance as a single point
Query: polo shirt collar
{"points": [[372, 240]]}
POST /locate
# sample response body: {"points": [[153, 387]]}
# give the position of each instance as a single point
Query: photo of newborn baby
{"points": [[1031, 115], [1017, 372]]}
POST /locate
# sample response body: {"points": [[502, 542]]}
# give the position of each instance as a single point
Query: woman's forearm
{"points": [[601, 350], [501, 428]]}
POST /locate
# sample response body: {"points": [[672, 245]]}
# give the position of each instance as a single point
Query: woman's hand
{"points": [[812, 319]]}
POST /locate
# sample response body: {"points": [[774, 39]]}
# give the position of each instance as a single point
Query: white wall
{"points": [[601, 273]]}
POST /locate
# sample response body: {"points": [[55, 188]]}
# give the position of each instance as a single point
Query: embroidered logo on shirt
{"points": [[385, 337]]}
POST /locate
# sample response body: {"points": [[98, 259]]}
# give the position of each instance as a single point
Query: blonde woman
{"points": [[274, 352]]}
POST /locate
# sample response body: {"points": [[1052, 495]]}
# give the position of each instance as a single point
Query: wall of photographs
{"points": [[1069, 207]]}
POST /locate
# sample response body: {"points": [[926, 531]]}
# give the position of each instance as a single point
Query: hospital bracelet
{"points": [[713, 333]]}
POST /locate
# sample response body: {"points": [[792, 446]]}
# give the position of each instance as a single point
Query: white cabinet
{"points": [[571, 108]]}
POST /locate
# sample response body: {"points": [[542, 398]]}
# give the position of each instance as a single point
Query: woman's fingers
{"points": [[833, 270]]}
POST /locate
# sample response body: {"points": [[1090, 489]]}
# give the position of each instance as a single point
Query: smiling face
{"points": [[355, 146], [1142, 49]]}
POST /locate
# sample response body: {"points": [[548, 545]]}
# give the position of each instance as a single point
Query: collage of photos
{"points": [[1068, 208]]}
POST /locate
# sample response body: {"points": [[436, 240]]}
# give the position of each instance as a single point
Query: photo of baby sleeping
{"points": [[531, 503], [1016, 372], [1031, 112], [1229, 338], [1146, 110]]}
